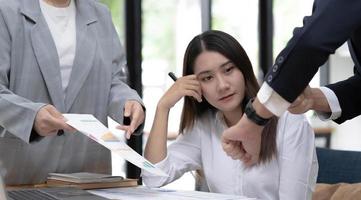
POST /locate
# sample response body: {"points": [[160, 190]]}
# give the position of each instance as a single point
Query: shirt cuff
{"points": [[272, 100], [333, 103], [163, 164]]}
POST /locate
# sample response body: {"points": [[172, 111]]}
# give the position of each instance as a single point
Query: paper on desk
{"points": [[144, 193], [94, 129]]}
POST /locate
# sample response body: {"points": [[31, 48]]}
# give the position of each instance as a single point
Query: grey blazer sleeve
{"points": [[13, 108], [120, 92]]}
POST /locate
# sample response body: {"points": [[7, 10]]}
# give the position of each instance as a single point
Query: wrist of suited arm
{"points": [[261, 110], [319, 101]]}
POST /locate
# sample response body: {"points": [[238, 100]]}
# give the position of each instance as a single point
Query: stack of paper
{"points": [[144, 193]]}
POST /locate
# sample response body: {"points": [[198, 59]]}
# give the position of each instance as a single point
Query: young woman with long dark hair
{"points": [[217, 81]]}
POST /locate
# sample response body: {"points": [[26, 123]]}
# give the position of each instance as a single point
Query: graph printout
{"points": [[110, 138]]}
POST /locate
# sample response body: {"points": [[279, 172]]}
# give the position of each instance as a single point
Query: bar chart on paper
{"points": [[91, 127]]}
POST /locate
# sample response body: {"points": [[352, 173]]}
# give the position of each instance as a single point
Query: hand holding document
{"points": [[111, 138]]}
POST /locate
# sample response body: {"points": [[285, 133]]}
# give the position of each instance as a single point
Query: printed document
{"points": [[111, 138], [145, 193]]}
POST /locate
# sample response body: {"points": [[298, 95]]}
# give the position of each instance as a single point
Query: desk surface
{"points": [[142, 192]]}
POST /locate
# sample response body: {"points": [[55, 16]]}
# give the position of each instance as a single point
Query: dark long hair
{"points": [[230, 48]]}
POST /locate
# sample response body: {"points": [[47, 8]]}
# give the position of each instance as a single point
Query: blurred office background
{"points": [[156, 32]]}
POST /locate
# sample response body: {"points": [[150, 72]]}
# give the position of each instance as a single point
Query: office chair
{"points": [[336, 166]]}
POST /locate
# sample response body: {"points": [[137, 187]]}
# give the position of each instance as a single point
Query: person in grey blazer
{"points": [[58, 56]]}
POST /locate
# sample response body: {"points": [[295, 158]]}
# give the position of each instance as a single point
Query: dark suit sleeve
{"points": [[348, 95], [330, 25]]}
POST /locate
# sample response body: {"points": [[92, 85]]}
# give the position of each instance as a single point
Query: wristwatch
{"points": [[253, 116]]}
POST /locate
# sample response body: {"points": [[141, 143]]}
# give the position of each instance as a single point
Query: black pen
{"points": [[171, 74]]}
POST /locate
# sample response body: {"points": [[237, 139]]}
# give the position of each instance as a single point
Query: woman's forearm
{"points": [[156, 147]]}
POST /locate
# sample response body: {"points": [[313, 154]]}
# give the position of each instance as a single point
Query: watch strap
{"points": [[253, 116]]}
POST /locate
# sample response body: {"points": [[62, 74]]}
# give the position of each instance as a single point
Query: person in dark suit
{"points": [[331, 24]]}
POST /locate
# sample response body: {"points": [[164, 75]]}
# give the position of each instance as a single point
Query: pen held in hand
{"points": [[171, 74]]}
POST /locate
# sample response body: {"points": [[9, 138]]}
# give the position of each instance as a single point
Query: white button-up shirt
{"points": [[291, 175]]}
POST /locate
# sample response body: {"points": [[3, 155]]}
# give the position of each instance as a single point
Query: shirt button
{"points": [[280, 59], [275, 68], [269, 79]]}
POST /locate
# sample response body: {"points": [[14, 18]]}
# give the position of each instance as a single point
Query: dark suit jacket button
{"points": [[269, 79], [275, 68], [280, 59]]}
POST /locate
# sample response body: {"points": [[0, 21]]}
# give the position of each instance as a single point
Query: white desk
{"points": [[141, 192]]}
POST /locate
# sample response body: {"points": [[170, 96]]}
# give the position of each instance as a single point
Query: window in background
{"points": [[239, 18], [168, 27], [287, 16], [116, 8]]}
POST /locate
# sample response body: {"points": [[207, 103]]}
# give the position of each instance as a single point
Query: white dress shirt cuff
{"points": [[333, 103], [163, 164], [272, 100]]}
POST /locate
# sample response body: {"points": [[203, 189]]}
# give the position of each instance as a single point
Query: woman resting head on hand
{"points": [[217, 82]]}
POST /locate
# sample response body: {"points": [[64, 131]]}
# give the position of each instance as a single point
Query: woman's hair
{"points": [[225, 44]]}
